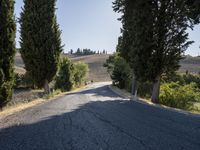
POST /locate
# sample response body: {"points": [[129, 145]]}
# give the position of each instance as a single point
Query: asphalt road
{"points": [[98, 119]]}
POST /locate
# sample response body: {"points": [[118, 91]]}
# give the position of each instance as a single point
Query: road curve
{"points": [[98, 119]]}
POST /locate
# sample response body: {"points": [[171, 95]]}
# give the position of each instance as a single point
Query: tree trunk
{"points": [[46, 87], [156, 90], [134, 89]]}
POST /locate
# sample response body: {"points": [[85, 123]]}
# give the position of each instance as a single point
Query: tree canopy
{"points": [[40, 41]]}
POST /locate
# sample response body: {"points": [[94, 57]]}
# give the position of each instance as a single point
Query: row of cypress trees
{"points": [[40, 44], [154, 36]]}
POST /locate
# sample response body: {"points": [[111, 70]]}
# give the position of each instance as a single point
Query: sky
{"points": [[93, 24]]}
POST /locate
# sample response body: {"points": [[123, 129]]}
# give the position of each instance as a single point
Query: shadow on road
{"points": [[115, 125]]}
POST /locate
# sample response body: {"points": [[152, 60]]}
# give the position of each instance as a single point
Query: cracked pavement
{"points": [[98, 119]]}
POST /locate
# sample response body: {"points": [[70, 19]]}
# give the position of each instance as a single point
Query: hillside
{"points": [[192, 64], [98, 72], [19, 65]]}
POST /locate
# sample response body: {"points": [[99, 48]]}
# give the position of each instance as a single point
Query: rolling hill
{"points": [[98, 73]]}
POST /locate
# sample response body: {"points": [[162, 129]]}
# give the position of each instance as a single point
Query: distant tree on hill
{"points": [[84, 52], [71, 51], [7, 50], [40, 41], [78, 52]]}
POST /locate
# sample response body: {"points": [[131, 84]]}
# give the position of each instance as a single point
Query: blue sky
{"points": [[93, 24]]}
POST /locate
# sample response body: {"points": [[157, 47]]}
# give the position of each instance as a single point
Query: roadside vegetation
{"points": [[178, 90], [41, 49], [70, 75], [151, 45]]}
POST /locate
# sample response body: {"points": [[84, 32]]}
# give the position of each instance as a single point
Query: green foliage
{"points": [[7, 50], [40, 40], [154, 36], [121, 73], [119, 70], [70, 75], [110, 62], [189, 78], [178, 96], [81, 72], [182, 79], [65, 77]]}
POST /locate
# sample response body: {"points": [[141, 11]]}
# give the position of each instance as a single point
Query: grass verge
{"points": [[127, 95], [17, 107]]}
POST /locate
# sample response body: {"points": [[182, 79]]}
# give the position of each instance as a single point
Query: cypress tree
{"points": [[134, 44], [40, 41], [7, 50], [170, 23], [154, 36]]}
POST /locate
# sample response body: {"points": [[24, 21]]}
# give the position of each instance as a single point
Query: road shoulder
{"points": [[127, 95]]}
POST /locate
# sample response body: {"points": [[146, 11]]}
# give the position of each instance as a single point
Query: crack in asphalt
{"points": [[98, 116]]}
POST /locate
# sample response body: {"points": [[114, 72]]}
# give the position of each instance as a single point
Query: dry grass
{"points": [[192, 64], [97, 72], [19, 107]]}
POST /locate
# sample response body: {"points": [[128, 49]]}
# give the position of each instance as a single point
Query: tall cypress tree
{"points": [[40, 41], [135, 43], [154, 36], [7, 50], [171, 19]]}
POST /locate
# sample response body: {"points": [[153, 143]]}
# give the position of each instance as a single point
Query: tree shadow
{"points": [[99, 125]]}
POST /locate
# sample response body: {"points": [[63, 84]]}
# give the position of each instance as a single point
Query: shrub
{"points": [[178, 96], [173, 77], [182, 79], [121, 74], [81, 72], [189, 78], [65, 76], [119, 71]]}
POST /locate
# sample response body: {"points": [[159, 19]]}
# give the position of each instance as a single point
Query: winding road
{"points": [[95, 118]]}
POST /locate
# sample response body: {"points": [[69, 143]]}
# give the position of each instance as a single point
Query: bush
{"points": [[70, 75], [173, 77], [119, 71], [121, 74], [182, 79], [189, 78], [65, 76], [178, 96], [81, 72]]}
